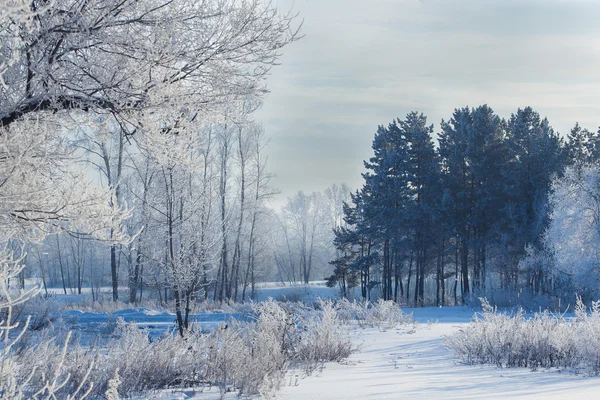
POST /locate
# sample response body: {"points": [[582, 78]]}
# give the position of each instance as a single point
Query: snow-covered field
{"points": [[415, 364], [412, 363]]}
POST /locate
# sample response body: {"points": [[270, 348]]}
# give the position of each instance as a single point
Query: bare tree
{"points": [[304, 215], [225, 138], [104, 147], [262, 192], [116, 56]]}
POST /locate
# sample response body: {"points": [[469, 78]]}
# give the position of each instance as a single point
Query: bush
{"points": [[253, 357], [142, 364], [383, 314], [247, 357], [324, 339], [546, 340]]}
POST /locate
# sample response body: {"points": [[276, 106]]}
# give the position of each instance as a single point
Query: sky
{"points": [[363, 63]]}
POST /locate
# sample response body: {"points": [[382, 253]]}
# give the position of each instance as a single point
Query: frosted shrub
{"points": [[249, 358], [112, 393], [20, 379], [587, 331], [274, 344], [347, 310], [227, 356], [142, 364], [545, 341], [152, 364], [324, 339], [381, 314], [253, 358]]}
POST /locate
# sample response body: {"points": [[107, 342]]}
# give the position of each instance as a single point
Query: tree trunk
{"points": [[113, 270], [60, 263]]}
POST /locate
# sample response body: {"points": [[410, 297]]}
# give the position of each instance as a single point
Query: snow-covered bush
{"points": [[544, 340], [587, 332], [143, 364], [324, 338], [246, 357], [253, 357], [18, 379], [382, 314]]}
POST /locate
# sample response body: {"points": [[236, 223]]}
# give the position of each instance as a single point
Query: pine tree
{"points": [[386, 194], [458, 184], [423, 168], [344, 275], [472, 148], [535, 156], [582, 147]]}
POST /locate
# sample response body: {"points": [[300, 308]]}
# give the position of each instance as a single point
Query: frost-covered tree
{"points": [[115, 56], [44, 191], [304, 219], [148, 67], [573, 234], [180, 202]]}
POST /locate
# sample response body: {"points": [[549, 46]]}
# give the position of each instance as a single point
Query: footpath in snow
{"points": [[414, 364]]}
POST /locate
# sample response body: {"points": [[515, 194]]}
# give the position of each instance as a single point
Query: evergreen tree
{"points": [[470, 209], [582, 147], [346, 244], [458, 184], [423, 168], [535, 156], [472, 148], [385, 194], [354, 245]]}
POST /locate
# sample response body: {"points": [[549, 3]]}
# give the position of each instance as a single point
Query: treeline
{"points": [[436, 224], [303, 235], [198, 216]]}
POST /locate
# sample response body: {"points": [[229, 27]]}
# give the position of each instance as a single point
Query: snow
{"points": [[411, 362], [414, 363]]}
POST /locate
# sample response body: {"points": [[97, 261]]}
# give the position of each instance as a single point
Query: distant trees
{"points": [[303, 240], [432, 224]]}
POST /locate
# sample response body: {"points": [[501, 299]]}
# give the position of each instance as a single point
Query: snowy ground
{"points": [[398, 364], [412, 363]]}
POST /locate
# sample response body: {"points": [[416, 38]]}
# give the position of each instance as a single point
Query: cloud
{"points": [[361, 64]]}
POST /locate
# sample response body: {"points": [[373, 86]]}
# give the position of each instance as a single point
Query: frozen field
{"points": [[413, 363], [400, 364]]}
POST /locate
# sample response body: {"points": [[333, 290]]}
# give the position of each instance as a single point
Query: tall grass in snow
{"points": [[543, 341], [244, 357]]}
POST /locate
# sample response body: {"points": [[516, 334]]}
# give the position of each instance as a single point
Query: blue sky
{"points": [[363, 63]]}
